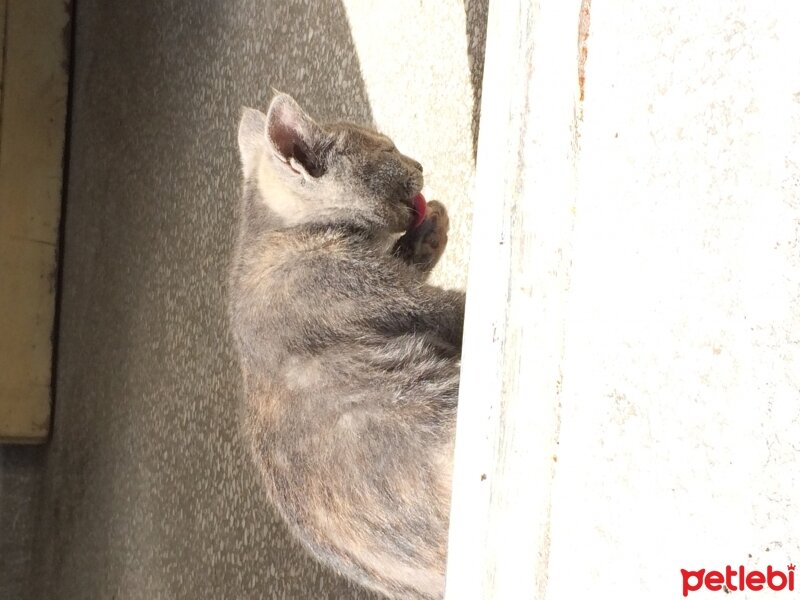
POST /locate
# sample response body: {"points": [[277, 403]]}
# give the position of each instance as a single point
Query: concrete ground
{"points": [[144, 490]]}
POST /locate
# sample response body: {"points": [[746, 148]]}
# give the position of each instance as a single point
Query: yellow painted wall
{"points": [[32, 124]]}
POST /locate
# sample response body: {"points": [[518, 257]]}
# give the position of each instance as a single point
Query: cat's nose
{"points": [[417, 165]]}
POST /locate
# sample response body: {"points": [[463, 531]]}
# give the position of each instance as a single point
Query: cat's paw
{"points": [[431, 235], [423, 246]]}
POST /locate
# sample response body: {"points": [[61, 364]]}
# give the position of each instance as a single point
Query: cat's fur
{"points": [[350, 360]]}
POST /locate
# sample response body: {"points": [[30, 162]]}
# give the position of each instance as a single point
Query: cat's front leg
{"points": [[423, 246]]}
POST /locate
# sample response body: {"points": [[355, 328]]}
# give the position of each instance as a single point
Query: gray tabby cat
{"points": [[350, 360]]}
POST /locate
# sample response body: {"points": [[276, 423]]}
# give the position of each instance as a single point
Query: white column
{"points": [[518, 278]]}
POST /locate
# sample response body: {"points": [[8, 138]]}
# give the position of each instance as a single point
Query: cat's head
{"points": [[309, 172]]}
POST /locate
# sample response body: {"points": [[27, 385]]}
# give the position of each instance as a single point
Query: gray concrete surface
{"points": [[20, 477], [145, 491]]}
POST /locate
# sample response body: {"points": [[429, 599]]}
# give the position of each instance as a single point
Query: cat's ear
{"points": [[294, 137], [252, 138]]}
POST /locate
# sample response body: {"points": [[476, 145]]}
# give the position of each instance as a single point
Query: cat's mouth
{"points": [[418, 210]]}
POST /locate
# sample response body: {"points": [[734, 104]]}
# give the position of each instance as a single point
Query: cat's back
{"points": [[300, 290]]}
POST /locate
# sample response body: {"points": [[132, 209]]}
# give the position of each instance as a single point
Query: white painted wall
{"points": [[680, 422], [677, 418]]}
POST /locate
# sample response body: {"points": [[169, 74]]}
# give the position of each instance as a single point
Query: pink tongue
{"points": [[419, 210]]}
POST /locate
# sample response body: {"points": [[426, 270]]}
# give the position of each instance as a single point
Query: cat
{"points": [[350, 360]]}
